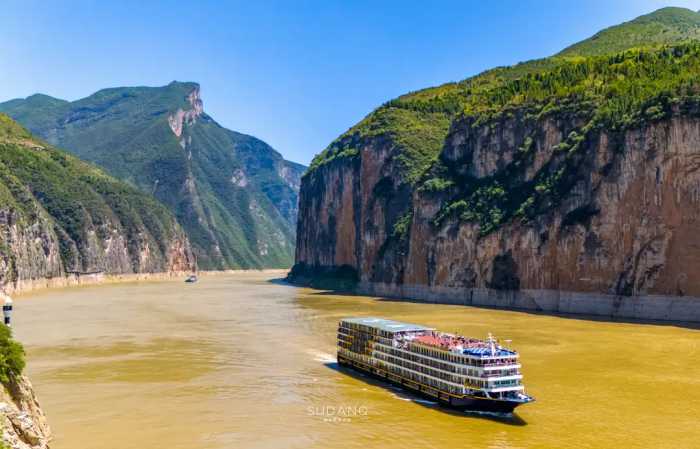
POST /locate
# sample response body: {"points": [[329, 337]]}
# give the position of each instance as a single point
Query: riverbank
{"points": [[75, 280], [675, 309]]}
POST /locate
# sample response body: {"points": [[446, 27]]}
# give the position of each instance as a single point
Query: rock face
{"points": [[182, 117], [24, 425], [544, 193], [234, 195], [629, 226], [628, 229], [60, 216]]}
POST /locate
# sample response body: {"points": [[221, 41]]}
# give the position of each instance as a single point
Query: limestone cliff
{"points": [[24, 425], [628, 225], [565, 184]]}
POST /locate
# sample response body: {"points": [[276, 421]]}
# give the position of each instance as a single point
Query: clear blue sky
{"points": [[295, 74]]}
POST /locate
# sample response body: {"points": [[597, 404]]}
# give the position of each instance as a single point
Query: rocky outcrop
{"points": [[621, 240], [24, 425], [188, 116]]}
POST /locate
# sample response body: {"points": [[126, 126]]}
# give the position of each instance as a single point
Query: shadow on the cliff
{"points": [[320, 291], [584, 317], [508, 419], [281, 281], [571, 316]]}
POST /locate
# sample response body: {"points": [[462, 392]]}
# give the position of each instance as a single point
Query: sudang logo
{"points": [[338, 413]]}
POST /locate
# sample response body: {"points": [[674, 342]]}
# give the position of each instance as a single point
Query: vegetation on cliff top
{"points": [[416, 124], [419, 135]]}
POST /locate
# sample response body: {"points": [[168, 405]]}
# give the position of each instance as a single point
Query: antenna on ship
{"points": [[492, 344]]}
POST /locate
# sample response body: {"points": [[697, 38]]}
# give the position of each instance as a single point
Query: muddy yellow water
{"points": [[238, 361]]}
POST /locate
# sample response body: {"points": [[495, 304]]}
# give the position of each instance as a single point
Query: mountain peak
{"points": [[669, 14], [38, 100], [189, 116], [181, 87], [663, 26], [184, 84], [45, 98]]}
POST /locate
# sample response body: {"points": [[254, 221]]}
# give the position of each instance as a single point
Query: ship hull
{"points": [[466, 403]]}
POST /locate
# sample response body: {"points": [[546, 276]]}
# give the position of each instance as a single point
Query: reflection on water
{"points": [[238, 361]]}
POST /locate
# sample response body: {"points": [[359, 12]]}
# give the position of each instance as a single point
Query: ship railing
{"points": [[438, 371], [489, 363], [488, 374], [417, 367]]}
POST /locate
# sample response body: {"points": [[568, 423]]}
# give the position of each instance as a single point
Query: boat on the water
{"points": [[461, 372], [191, 278]]}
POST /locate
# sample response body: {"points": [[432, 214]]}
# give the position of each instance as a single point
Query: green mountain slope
{"points": [[234, 195], [417, 123], [59, 214], [664, 26]]}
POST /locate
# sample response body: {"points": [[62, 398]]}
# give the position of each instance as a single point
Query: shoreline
{"points": [[659, 308], [73, 280], [668, 309]]}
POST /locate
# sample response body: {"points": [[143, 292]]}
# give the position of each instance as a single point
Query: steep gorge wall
{"points": [[622, 241], [31, 252], [347, 211]]}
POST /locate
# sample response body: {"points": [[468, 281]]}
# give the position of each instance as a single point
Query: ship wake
{"points": [[405, 397], [321, 356]]}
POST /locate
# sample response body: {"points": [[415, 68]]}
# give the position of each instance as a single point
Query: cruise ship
{"points": [[465, 373]]}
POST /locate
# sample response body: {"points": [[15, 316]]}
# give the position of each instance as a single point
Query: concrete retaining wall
{"points": [[651, 307]]}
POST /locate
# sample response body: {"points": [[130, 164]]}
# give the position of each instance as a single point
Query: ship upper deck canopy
{"points": [[486, 352], [428, 336], [387, 325], [464, 345]]}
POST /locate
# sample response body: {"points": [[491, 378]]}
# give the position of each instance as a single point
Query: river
{"points": [[242, 360]]}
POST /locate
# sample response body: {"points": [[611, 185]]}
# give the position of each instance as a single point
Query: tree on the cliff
{"points": [[11, 356]]}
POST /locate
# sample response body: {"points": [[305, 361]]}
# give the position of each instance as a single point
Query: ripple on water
{"points": [[158, 360]]}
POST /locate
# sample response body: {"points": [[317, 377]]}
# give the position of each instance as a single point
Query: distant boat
{"points": [[191, 279]]}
